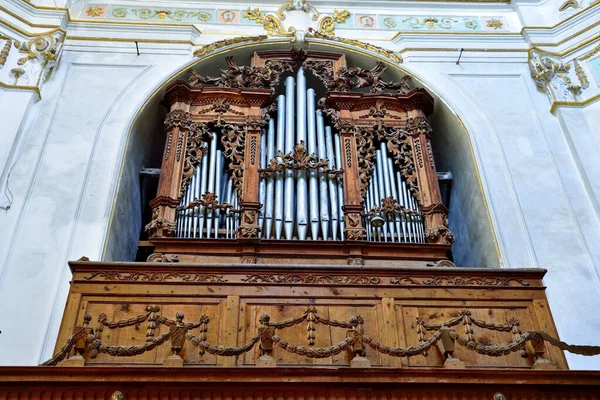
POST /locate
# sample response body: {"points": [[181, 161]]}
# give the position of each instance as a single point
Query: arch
{"points": [[470, 219]]}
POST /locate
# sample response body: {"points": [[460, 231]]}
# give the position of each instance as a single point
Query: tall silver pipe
{"points": [[313, 186], [381, 189], [323, 185], [188, 212], [333, 196], [262, 184], [218, 175], [395, 196], [228, 199], [377, 198], [301, 183], [281, 114], [340, 185], [196, 185], [388, 190], [400, 199], [203, 185], [211, 183], [370, 204], [411, 225], [288, 205], [270, 181]]}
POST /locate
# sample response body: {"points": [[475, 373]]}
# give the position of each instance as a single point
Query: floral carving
{"points": [[312, 279], [418, 126], [195, 150], [209, 201], [160, 257], [399, 144], [235, 76], [159, 227], [299, 159], [356, 78], [155, 277], [179, 119], [366, 153], [233, 139], [457, 281], [439, 234]]}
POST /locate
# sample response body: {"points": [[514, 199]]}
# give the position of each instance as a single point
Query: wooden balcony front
{"points": [[133, 304]]}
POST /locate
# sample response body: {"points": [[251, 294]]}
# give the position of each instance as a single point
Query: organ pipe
{"points": [[288, 206], [313, 188], [281, 113], [270, 182], [303, 203]]}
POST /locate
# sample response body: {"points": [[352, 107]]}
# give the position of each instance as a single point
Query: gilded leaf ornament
{"points": [[209, 48], [270, 23]]}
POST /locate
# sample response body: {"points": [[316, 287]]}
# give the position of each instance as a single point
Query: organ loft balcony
{"points": [[298, 224]]}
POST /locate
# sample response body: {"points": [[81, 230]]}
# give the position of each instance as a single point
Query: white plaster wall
{"points": [[65, 182], [63, 186]]}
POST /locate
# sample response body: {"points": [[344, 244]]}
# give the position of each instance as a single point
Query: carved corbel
{"points": [[552, 76], [38, 59]]}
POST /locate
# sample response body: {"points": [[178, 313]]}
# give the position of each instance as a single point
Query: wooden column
{"points": [[436, 214], [352, 196], [249, 228], [178, 124]]}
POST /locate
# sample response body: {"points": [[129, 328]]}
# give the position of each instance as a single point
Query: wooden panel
{"points": [[389, 300]]}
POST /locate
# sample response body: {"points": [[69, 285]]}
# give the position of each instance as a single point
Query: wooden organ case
{"points": [[302, 227]]}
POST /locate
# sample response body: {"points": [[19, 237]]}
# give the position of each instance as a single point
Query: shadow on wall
{"points": [[143, 150]]}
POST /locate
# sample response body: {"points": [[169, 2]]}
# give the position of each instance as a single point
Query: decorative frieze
{"points": [[312, 279], [155, 277]]}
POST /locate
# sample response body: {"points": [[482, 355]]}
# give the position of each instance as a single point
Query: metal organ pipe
{"points": [[288, 206], [211, 183], [218, 172], [301, 184], [380, 188], [313, 187], [270, 181], [397, 217], [323, 185], [262, 184], [388, 187], [333, 200], [281, 114]]}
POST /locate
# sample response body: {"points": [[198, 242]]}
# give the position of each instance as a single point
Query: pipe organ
{"points": [[298, 147]]}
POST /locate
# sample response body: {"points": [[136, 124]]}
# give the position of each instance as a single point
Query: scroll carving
{"points": [[235, 76], [299, 159], [356, 78], [233, 140], [179, 119], [159, 227], [312, 279], [155, 277], [195, 150], [366, 157], [399, 144]]}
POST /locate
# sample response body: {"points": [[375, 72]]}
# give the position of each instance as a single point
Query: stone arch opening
{"points": [[469, 219]]}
